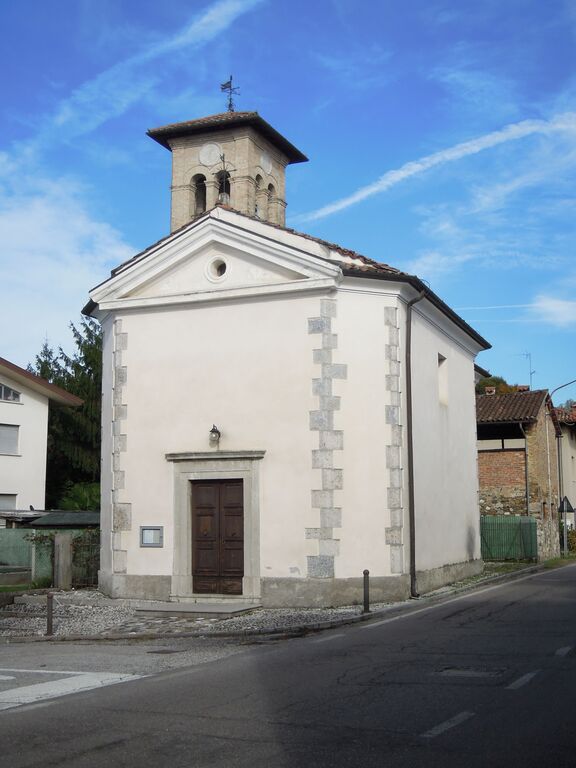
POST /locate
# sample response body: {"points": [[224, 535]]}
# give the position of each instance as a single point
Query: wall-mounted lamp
{"points": [[215, 435]]}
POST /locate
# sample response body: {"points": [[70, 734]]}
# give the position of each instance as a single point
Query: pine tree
{"points": [[73, 433]]}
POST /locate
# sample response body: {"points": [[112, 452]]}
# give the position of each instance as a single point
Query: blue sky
{"points": [[441, 138]]}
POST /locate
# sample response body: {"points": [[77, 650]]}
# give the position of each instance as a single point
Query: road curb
{"points": [[280, 633]]}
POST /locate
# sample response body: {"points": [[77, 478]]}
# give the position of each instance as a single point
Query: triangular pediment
{"points": [[216, 267], [215, 260]]}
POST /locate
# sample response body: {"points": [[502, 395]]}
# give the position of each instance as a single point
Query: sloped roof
{"points": [[37, 383], [566, 415], [57, 518], [515, 407], [227, 120], [352, 264]]}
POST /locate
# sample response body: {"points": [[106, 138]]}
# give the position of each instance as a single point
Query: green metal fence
{"points": [[15, 549], [508, 537], [86, 559], [34, 549], [43, 562]]}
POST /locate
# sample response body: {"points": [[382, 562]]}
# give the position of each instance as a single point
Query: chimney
{"points": [[522, 388], [489, 390]]}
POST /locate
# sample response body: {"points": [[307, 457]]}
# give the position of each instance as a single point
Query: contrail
{"points": [[563, 122]]}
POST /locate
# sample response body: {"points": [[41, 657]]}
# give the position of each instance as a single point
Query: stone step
{"points": [[199, 610], [202, 608]]}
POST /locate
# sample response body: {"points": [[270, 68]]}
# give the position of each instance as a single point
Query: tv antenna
{"points": [[528, 356], [228, 88]]}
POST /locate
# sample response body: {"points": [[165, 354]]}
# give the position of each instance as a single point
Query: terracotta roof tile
{"points": [[566, 415], [517, 407], [221, 122], [350, 262]]}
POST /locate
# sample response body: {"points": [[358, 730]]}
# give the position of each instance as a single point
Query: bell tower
{"points": [[234, 158]]}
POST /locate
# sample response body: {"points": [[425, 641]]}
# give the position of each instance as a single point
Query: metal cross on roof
{"points": [[231, 91]]}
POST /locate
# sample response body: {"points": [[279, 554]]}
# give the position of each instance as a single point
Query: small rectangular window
{"points": [[7, 501], [9, 439], [9, 394], [151, 536], [442, 380]]}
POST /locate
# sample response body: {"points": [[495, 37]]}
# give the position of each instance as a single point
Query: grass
{"points": [[495, 569], [15, 587], [24, 587], [556, 562]]}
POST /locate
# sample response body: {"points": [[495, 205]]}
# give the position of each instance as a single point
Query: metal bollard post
{"points": [[366, 592], [49, 613]]}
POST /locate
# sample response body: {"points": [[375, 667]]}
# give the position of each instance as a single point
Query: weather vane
{"points": [[231, 91]]}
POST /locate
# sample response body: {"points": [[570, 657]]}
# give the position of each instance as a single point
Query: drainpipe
{"points": [[526, 470], [561, 492], [411, 502], [546, 416]]}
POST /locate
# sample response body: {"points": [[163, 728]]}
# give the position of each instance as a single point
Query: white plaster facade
{"points": [[25, 416], [567, 446], [297, 352]]}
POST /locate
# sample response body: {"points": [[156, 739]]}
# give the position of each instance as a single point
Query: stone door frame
{"points": [[217, 465]]}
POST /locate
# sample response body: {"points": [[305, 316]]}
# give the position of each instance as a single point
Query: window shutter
{"points": [[7, 501], [8, 438]]}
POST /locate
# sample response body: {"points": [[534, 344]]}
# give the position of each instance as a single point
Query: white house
{"points": [[279, 413], [24, 399]]}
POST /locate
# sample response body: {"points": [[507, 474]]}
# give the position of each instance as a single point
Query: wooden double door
{"points": [[217, 536]]}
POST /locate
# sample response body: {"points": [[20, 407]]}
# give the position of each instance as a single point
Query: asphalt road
{"points": [[487, 679]]}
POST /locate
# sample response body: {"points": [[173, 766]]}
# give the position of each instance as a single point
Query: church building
{"points": [[280, 413]]}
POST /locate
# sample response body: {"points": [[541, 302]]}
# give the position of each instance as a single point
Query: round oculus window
{"points": [[217, 269]]}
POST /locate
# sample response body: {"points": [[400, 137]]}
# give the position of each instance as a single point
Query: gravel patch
{"points": [[70, 618], [89, 612]]}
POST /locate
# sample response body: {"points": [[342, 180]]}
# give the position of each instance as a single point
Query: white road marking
{"points": [[328, 637], [447, 724], [74, 682], [564, 651], [522, 681], [6, 677]]}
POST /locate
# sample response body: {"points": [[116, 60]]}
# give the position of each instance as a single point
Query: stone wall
{"points": [[543, 467], [548, 538]]}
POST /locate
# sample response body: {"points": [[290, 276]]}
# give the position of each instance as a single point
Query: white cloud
{"points": [[560, 123], [433, 264], [357, 70], [115, 90], [53, 251], [558, 312], [478, 92]]}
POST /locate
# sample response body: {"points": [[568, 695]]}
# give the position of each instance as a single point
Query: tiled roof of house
{"points": [[227, 120], [37, 383], [566, 415], [520, 407]]}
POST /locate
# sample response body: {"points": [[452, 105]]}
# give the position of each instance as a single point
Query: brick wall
{"points": [[502, 481]]}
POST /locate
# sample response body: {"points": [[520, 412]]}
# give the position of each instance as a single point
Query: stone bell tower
{"points": [[235, 158]]}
